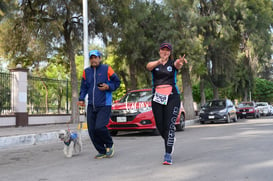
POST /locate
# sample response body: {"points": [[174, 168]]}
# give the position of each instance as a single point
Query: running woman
{"points": [[166, 96]]}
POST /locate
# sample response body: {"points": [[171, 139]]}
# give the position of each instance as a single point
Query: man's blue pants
{"points": [[97, 119]]}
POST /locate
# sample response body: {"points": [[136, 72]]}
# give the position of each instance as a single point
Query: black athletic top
{"points": [[165, 74]]}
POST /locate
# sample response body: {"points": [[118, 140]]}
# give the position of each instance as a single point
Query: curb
{"points": [[39, 138], [31, 139], [191, 122]]}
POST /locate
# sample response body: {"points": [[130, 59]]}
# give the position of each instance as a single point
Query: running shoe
{"points": [[100, 156], [167, 159], [110, 152]]}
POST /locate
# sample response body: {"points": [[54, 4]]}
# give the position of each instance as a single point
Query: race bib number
{"points": [[160, 98]]}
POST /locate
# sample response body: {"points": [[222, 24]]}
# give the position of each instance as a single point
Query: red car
{"points": [[247, 109], [133, 112]]}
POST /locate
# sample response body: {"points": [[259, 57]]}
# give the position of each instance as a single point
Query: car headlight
{"points": [[202, 111], [222, 111], [250, 110], [132, 111], [144, 109]]}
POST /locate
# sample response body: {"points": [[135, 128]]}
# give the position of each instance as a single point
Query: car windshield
{"points": [[217, 103], [141, 96], [261, 104], [245, 104]]}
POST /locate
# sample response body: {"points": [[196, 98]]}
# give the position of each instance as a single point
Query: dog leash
{"points": [[67, 124], [77, 113]]}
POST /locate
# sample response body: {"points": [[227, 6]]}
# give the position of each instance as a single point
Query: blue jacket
{"points": [[91, 77]]}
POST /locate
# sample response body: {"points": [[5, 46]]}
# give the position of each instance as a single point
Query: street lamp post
{"points": [[85, 38], [85, 33]]}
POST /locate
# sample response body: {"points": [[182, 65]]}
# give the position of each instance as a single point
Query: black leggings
{"points": [[165, 117]]}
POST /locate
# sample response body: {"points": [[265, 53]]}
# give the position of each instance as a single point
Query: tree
{"points": [[183, 35], [59, 23], [263, 91], [220, 42], [5, 6], [221, 39], [253, 22], [42, 28], [5, 89], [134, 38]]}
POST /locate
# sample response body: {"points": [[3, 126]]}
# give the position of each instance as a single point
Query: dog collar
{"points": [[73, 136], [67, 142]]}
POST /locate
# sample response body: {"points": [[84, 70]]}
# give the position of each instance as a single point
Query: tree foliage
{"points": [[135, 26], [228, 43], [263, 91]]}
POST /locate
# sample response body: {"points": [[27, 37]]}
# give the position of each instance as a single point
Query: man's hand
{"points": [[103, 87], [81, 103]]}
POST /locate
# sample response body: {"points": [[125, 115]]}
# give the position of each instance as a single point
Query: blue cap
{"points": [[94, 52]]}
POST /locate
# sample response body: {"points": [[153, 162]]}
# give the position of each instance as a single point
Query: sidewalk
{"points": [[32, 135]]}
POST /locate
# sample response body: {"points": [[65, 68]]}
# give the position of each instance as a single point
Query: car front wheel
{"points": [[228, 119], [113, 132], [181, 125], [155, 132], [235, 118]]}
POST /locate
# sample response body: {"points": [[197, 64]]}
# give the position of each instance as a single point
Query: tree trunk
{"points": [[215, 93], [245, 94], [69, 49], [202, 92], [133, 78], [124, 79], [60, 96], [187, 90], [74, 90]]}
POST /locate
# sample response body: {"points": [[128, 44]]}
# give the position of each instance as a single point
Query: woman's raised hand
{"points": [[182, 60]]}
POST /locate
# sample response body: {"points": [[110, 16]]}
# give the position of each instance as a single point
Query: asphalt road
{"points": [[239, 151]]}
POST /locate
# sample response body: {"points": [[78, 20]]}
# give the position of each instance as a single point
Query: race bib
{"points": [[160, 98]]}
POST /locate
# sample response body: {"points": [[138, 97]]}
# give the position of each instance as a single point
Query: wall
{"points": [[10, 121]]}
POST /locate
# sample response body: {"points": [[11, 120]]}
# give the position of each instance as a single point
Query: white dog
{"points": [[72, 142]]}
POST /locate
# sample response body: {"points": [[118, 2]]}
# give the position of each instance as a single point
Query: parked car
{"points": [[264, 108], [221, 110], [271, 109], [247, 109], [133, 112]]}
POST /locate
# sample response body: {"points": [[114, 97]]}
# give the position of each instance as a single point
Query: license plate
{"points": [[244, 112], [121, 119], [211, 117]]}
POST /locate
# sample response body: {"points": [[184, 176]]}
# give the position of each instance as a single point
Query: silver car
{"points": [[271, 109], [264, 108]]}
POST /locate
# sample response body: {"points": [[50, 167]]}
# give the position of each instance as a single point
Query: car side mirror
{"points": [[116, 101]]}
